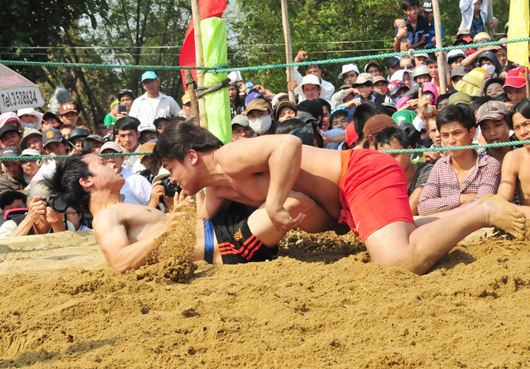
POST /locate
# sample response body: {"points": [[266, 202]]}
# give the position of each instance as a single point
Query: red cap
{"points": [[516, 78], [351, 134]]}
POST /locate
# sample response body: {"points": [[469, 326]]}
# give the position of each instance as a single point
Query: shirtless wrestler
{"points": [[364, 188], [126, 233]]}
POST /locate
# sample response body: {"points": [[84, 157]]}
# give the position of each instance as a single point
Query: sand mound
{"points": [[320, 304]]}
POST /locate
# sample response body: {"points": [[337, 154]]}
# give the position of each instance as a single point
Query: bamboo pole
{"points": [[193, 95], [288, 48], [199, 59], [527, 84], [439, 44]]}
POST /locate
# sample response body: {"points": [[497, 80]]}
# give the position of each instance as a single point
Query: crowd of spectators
{"points": [[395, 104]]}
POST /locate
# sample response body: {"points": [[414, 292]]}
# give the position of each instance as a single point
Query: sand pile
{"points": [[321, 304]]}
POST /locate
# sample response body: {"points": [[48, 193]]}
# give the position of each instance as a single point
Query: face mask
{"points": [[29, 125], [261, 125], [490, 69]]}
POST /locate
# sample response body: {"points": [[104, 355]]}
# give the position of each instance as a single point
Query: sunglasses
{"points": [[408, 66]]}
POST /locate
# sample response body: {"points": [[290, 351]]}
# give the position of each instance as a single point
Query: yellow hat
{"points": [[146, 147], [482, 36], [471, 82], [186, 98]]}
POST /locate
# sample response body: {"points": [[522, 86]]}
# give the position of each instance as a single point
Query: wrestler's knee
{"points": [[298, 203]]}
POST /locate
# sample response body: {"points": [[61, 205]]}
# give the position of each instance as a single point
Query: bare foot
{"points": [[504, 215]]}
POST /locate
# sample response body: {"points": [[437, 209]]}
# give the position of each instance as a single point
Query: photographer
{"points": [[41, 217]]}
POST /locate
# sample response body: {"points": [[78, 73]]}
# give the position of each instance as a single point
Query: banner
{"points": [[519, 28]]}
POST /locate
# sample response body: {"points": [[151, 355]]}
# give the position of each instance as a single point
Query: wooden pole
{"points": [[199, 59], [439, 44], [193, 95], [288, 48], [527, 84]]}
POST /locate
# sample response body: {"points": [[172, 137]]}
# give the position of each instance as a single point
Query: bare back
{"points": [[516, 175]]}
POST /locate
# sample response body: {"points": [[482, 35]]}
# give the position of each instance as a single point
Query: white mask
{"points": [[261, 125], [29, 125], [490, 69]]}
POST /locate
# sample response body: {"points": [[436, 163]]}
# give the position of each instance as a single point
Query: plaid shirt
{"points": [[442, 191]]}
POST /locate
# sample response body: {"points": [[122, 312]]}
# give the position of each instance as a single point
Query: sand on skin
{"points": [[320, 304]]}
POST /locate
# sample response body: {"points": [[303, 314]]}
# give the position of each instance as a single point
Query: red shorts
{"points": [[373, 191]]}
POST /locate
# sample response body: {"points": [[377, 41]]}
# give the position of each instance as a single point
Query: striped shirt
{"points": [[442, 191]]}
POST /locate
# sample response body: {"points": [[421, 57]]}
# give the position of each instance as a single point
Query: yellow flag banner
{"points": [[519, 28]]}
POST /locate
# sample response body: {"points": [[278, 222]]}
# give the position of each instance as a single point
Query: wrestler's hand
{"points": [[282, 221], [181, 200]]}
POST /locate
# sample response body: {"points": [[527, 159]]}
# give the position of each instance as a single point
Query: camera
{"points": [[54, 202], [170, 188]]}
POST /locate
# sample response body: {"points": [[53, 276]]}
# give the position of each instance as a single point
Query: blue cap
{"points": [[251, 96], [149, 75]]}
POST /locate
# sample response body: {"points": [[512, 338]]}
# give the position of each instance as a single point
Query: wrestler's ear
{"points": [[193, 157], [86, 182]]}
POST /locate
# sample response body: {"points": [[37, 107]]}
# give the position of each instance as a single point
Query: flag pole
{"points": [[439, 44], [199, 60], [288, 48]]}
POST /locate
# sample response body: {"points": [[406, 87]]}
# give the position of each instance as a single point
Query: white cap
{"points": [[149, 128], [422, 54], [29, 111], [455, 53], [30, 152], [348, 68], [309, 79]]}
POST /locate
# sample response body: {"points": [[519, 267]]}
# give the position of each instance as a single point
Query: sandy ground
{"points": [[320, 304]]}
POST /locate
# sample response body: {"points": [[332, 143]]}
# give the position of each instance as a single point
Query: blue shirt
{"points": [[477, 26], [414, 35], [432, 33]]}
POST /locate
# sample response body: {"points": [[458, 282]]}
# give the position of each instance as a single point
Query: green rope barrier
{"points": [[424, 149], [220, 69]]}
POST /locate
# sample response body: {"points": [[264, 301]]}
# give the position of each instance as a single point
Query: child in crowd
{"points": [[515, 85], [365, 84]]}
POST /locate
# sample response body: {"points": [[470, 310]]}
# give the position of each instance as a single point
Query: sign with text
{"points": [[17, 92]]}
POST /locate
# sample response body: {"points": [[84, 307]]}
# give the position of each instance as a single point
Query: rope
{"points": [[214, 69], [424, 149]]}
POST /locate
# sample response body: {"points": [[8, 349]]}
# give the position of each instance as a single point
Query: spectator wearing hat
{"points": [[373, 68], [160, 124], [137, 189], [394, 138], [283, 111], [150, 164], [420, 59], [259, 113], [413, 28], [241, 128], [186, 106], [40, 218], [343, 98], [278, 98], [61, 94], [392, 66], [54, 143], [30, 118], [365, 84], [381, 85], [68, 114], [49, 120], [474, 55], [459, 98], [13, 177], [457, 74], [32, 139], [475, 16], [76, 138], [491, 118], [420, 74], [515, 85], [93, 143], [404, 76], [349, 73], [10, 136], [153, 103], [313, 108], [125, 97], [309, 88], [327, 89], [396, 89], [112, 116], [30, 167], [455, 58], [429, 15], [147, 133], [372, 127], [462, 177]]}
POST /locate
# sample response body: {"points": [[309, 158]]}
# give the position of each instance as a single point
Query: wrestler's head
{"points": [[180, 150]]}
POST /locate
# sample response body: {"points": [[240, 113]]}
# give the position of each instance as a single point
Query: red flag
{"points": [[207, 9]]}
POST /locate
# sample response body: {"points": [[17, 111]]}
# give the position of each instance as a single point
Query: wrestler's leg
{"points": [[401, 244]]}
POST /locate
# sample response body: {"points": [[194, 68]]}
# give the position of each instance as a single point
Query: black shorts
{"points": [[236, 243]]}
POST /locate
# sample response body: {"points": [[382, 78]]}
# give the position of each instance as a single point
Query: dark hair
{"points": [[98, 123], [89, 144], [313, 65], [68, 125], [442, 98], [126, 124], [312, 107], [364, 112], [67, 77], [405, 4], [324, 103], [431, 59], [477, 102], [9, 197], [65, 181], [289, 125], [175, 142], [337, 114], [386, 135], [502, 97], [522, 107], [456, 113], [493, 80]]}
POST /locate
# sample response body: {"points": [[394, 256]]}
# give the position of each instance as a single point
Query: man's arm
{"points": [[490, 177], [414, 198], [281, 155], [400, 33], [423, 40], [36, 208], [509, 175], [431, 200]]}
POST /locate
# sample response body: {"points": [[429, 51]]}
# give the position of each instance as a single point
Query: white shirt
{"points": [[136, 190], [10, 226], [130, 161], [46, 170], [326, 88], [145, 110]]}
